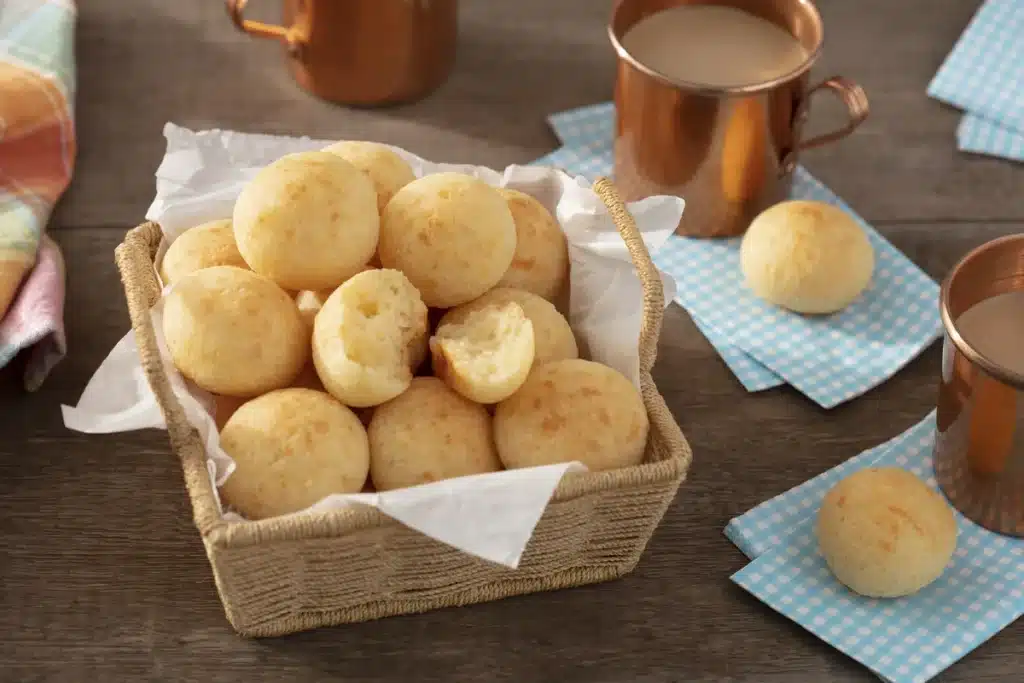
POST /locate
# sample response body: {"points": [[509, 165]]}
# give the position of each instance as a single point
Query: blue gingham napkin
{"points": [[984, 76], [978, 136], [766, 526], [907, 640], [830, 359]]}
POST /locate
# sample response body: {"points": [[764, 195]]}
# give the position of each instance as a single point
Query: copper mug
{"points": [[363, 52], [729, 152], [979, 444]]}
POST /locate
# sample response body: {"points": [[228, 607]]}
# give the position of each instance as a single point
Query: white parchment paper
{"points": [[491, 516]]}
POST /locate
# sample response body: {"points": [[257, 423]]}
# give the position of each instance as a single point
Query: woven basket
{"points": [[279, 576]]}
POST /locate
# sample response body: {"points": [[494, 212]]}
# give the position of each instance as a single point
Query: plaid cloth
{"points": [[907, 640], [984, 76], [37, 150]]}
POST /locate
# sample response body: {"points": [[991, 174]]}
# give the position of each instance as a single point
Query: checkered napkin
{"points": [[830, 359], [37, 148], [984, 76], [908, 640]]}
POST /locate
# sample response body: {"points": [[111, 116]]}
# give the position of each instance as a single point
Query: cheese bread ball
{"points": [[291, 448], [307, 221], [808, 257], [366, 337], [233, 332], [487, 355], [451, 234], [884, 533], [427, 434], [204, 246], [572, 410], [553, 338], [386, 169], [541, 261]]}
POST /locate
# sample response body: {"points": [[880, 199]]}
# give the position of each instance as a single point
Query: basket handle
{"points": [[134, 259], [650, 279]]}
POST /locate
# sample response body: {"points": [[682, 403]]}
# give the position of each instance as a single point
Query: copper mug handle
{"points": [[294, 37], [856, 101]]}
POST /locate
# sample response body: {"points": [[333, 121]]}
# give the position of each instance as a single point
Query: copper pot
{"points": [[363, 52], [729, 152]]}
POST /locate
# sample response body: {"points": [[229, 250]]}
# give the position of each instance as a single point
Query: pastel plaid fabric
{"points": [[37, 151]]}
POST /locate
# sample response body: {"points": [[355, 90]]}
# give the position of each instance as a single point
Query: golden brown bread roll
{"points": [[809, 257], [387, 171], [291, 448], [452, 235], [307, 221], [541, 261], [884, 533], [572, 410], [233, 332], [427, 434], [204, 246]]}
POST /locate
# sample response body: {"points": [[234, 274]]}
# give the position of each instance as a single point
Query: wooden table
{"points": [[103, 576]]}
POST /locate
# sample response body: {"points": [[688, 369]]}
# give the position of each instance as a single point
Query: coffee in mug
{"points": [[714, 46]]}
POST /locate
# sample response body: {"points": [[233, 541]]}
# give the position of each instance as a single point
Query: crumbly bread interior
{"points": [[378, 325], [367, 336], [486, 356], [552, 336]]}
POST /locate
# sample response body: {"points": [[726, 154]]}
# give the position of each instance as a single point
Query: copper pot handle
{"points": [[856, 101], [294, 37]]}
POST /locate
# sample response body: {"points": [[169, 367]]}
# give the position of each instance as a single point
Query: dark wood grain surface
{"points": [[104, 578]]}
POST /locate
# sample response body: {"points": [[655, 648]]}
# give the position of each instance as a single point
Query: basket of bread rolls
{"points": [[361, 329]]}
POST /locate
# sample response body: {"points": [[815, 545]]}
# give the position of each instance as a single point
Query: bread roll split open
{"points": [[487, 355], [553, 338], [367, 336]]}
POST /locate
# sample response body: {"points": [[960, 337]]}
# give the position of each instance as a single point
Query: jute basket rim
{"points": [[135, 261]]}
